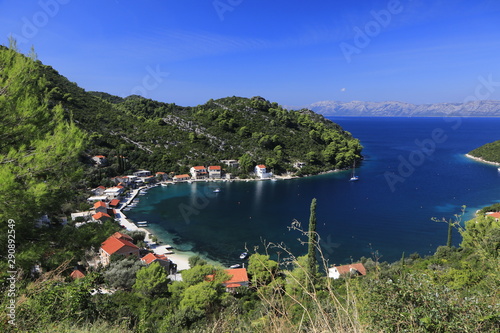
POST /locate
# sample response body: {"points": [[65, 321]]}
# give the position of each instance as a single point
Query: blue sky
{"points": [[289, 51]]}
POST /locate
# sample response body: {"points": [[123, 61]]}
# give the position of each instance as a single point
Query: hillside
{"points": [[480, 108], [167, 137], [489, 152]]}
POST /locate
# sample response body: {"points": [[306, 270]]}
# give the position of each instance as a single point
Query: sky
{"points": [[291, 52]]}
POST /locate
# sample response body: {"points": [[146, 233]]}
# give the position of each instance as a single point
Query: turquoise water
{"points": [[414, 169]]}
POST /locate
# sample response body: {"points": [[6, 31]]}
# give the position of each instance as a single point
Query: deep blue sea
{"points": [[414, 169]]}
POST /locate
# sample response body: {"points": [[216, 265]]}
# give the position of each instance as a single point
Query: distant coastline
{"points": [[482, 160]]}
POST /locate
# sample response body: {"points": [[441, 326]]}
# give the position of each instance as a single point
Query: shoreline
{"points": [[478, 159], [181, 258]]}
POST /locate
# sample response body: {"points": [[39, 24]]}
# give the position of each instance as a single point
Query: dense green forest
{"points": [[50, 128], [489, 152]]}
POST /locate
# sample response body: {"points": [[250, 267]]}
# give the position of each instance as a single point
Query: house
{"points": [[142, 173], [100, 207], [84, 216], [114, 203], [161, 176], [77, 274], [99, 190], [117, 243], [238, 278], [198, 172], [299, 165], [101, 217], [214, 171], [336, 272], [496, 215], [261, 172], [159, 258], [231, 163], [100, 160], [113, 192], [180, 178]]}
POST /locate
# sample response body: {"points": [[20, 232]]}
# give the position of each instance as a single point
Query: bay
{"points": [[414, 169]]}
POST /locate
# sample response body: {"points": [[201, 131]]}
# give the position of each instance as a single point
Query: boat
{"points": [[353, 176], [244, 255], [235, 266], [217, 190], [164, 184]]}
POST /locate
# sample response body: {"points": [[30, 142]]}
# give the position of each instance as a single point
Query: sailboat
{"points": [[353, 176]]}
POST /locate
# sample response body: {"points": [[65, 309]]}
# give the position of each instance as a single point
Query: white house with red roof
{"points": [[100, 160], [117, 243], [159, 258], [180, 178], [101, 217], [238, 277], [214, 171], [198, 172], [261, 172], [336, 272], [495, 215]]}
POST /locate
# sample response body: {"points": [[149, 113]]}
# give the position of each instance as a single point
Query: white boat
{"points": [[244, 255], [164, 184], [235, 266], [217, 190], [353, 176]]}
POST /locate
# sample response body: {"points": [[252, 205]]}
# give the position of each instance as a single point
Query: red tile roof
{"points": [[346, 269], [77, 274], [99, 204], [114, 202], [182, 176], [101, 187], [100, 215], [238, 277], [113, 244], [150, 257], [160, 173], [214, 167], [199, 167], [495, 215], [261, 166], [120, 235], [100, 156]]}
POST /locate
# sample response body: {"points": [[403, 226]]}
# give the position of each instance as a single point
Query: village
{"points": [[110, 203]]}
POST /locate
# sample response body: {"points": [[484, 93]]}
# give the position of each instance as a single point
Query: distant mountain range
{"points": [[484, 108]]}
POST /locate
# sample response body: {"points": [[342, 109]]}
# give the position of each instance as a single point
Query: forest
{"points": [[50, 128], [489, 152]]}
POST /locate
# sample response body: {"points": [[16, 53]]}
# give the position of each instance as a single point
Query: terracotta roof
{"points": [[77, 274], [345, 269], [200, 167], [183, 176], [233, 285], [238, 276], [100, 204], [113, 244], [100, 215], [261, 166], [150, 257], [114, 202], [160, 173], [101, 187], [214, 167], [495, 215], [100, 156], [120, 235]]}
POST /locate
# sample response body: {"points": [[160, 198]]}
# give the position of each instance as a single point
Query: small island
{"points": [[488, 153]]}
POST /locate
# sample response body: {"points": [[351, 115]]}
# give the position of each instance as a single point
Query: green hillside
{"points": [[489, 152]]}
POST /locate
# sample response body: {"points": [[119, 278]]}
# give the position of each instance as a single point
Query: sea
{"points": [[414, 176]]}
